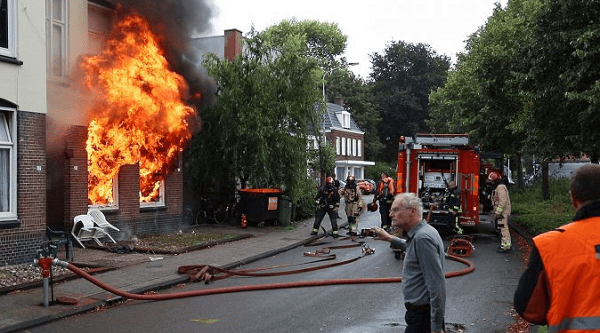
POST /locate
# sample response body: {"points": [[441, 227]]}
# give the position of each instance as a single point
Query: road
{"points": [[477, 302]]}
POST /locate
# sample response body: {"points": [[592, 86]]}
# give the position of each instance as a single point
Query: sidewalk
{"points": [[138, 273]]}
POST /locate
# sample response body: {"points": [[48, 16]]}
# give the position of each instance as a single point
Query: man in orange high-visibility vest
{"points": [[560, 286]]}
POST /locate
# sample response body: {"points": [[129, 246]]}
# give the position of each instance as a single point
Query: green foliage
{"points": [[256, 132], [318, 40], [539, 215], [528, 81], [324, 159], [481, 96], [305, 199], [560, 77], [402, 78], [374, 171]]}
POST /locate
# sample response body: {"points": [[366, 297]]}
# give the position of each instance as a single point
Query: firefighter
{"points": [[560, 285], [501, 202], [354, 204], [386, 190], [452, 201], [328, 202]]}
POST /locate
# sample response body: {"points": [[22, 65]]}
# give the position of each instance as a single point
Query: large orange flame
{"points": [[140, 116]]}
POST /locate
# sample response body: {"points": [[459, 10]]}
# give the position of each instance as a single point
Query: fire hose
{"points": [[234, 289]]}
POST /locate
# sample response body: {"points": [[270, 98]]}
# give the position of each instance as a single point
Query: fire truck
{"points": [[428, 162]]}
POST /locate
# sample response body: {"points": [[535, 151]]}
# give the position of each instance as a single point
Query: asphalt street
{"points": [[478, 302]]}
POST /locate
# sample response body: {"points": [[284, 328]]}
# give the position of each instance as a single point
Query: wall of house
{"points": [[23, 83], [129, 216], [19, 244], [331, 138]]}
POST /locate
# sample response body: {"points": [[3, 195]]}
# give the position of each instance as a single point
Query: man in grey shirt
{"points": [[423, 282]]}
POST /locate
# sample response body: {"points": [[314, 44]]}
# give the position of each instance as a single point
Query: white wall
{"points": [[66, 103], [25, 85]]}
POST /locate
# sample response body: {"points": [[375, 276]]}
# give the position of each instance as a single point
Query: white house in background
{"points": [[348, 139]]}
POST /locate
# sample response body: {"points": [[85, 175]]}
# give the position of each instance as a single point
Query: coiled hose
{"points": [[234, 289]]}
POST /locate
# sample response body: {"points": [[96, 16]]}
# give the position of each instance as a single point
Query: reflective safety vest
{"points": [[571, 258]]}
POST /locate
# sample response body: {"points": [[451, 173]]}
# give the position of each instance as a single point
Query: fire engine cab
{"points": [[428, 162]]}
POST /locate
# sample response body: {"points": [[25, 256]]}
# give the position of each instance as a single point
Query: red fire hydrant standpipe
{"points": [[234, 289], [46, 264]]}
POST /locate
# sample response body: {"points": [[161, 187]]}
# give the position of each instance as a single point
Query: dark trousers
{"points": [[417, 320], [384, 210], [321, 214]]}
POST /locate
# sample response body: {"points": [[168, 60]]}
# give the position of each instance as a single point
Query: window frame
{"points": [[50, 24], [94, 34], [11, 50], [10, 114], [160, 200], [114, 205]]}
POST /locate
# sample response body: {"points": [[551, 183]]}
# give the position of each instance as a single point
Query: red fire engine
{"points": [[428, 162]]}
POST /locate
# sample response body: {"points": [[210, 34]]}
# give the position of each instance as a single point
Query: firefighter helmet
{"points": [[494, 177], [372, 206], [329, 180], [350, 179]]}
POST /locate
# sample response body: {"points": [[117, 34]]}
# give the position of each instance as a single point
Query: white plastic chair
{"points": [[101, 222], [84, 230]]}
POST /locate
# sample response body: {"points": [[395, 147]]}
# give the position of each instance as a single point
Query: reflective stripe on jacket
{"points": [[571, 261], [501, 200]]}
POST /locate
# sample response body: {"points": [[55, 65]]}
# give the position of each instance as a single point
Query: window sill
{"points": [[8, 224], [10, 60], [151, 208]]}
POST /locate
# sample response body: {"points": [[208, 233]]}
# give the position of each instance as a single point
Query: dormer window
{"points": [[345, 119]]}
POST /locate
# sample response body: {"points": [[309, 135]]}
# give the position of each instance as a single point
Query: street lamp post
{"points": [[324, 139]]}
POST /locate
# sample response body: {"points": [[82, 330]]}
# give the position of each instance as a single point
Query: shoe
{"points": [[501, 250], [335, 235], [314, 233]]}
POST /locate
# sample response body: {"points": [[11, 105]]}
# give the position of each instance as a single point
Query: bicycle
{"points": [[234, 211], [210, 213]]}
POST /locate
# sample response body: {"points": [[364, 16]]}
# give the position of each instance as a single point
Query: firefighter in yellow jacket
{"points": [[501, 202], [354, 204], [560, 286]]}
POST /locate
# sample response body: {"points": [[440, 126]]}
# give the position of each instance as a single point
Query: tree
{"points": [[481, 96], [528, 82], [257, 130], [402, 79], [561, 70], [322, 41]]}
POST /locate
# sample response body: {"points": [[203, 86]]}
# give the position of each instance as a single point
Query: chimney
{"points": [[339, 101], [233, 44]]}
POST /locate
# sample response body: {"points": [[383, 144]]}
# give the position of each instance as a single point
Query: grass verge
{"points": [[537, 215]]}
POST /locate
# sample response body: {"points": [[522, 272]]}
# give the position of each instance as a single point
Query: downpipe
{"points": [[270, 286]]}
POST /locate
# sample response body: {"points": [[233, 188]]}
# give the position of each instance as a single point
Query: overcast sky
{"points": [[369, 25]]}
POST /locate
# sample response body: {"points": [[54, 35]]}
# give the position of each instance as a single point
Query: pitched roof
{"points": [[332, 121]]}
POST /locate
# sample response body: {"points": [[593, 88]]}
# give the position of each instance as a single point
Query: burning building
{"points": [[97, 116]]}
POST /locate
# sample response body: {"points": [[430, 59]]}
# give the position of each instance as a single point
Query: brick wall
{"points": [[20, 244], [128, 216], [334, 134]]}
